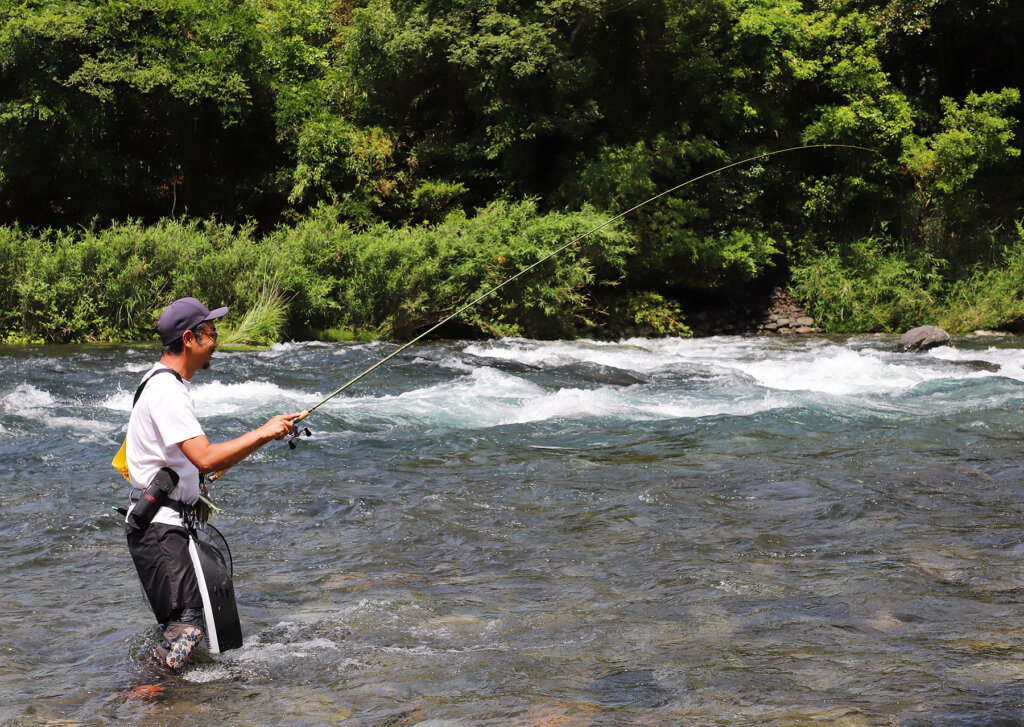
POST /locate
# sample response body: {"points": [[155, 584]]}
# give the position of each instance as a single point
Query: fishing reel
{"points": [[304, 431]]}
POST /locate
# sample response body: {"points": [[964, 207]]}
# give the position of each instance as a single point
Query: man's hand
{"points": [[280, 426]]}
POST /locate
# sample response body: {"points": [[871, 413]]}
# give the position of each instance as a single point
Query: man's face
{"points": [[205, 345]]}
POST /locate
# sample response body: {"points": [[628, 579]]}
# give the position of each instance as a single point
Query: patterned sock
{"points": [[182, 640]]}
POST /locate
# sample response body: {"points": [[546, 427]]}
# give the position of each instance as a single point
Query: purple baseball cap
{"points": [[182, 315]]}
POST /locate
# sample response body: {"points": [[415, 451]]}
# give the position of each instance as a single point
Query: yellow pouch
{"points": [[120, 460]]}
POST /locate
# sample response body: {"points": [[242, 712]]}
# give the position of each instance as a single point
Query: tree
{"points": [[110, 109]]}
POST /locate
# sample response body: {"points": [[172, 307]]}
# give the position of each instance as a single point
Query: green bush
{"points": [[73, 286], [263, 323], [991, 298], [397, 282], [652, 311], [869, 287], [873, 287], [320, 274]]}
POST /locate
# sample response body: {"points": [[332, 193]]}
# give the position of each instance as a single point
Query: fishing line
{"points": [[524, 271]]}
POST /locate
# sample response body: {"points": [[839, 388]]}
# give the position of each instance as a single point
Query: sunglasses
{"points": [[198, 330]]}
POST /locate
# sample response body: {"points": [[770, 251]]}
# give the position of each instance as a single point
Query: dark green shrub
{"points": [[71, 286], [869, 287]]}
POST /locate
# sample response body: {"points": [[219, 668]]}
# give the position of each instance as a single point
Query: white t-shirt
{"points": [[162, 418]]}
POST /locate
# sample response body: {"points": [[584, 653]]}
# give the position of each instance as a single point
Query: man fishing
{"points": [[166, 450]]}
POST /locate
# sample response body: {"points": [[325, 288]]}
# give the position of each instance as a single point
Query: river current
{"points": [[724, 531]]}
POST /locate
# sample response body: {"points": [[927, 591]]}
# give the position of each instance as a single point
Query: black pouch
{"points": [[152, 499]]}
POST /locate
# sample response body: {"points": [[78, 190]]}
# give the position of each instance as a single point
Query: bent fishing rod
{"points": [[524, 271]]}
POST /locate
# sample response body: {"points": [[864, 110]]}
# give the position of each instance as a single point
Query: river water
{"points": [[725, 531]]}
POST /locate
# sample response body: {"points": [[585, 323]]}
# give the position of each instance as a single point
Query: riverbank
{"points": [[778, 315], [320, 279]]}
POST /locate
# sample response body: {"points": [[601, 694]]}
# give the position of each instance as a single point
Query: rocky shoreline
{"points": [[782, 317]]}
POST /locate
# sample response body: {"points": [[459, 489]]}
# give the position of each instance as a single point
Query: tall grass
{"points": [[263, 323]]}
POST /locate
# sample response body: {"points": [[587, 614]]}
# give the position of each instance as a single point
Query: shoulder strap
{"points": [[120, 460], [138, 391]]}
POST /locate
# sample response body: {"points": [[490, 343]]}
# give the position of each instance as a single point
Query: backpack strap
{"points": [[120, 461], [138, 391]]}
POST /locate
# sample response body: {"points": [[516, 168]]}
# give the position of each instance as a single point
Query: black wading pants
{"points": [[165, 568]]}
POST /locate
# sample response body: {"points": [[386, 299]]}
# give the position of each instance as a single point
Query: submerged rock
{"points": [[979, 365], [922, 338], [637, 688]]}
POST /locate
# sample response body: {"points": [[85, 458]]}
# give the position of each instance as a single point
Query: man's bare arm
{"points": [[208, 457]]}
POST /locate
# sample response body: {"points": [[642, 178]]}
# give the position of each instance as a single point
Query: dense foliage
{"points": [[331, 278], [397, 121]]}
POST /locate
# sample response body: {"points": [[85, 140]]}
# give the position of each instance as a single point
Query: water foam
{"points": [[680, 379], [839, 371], [264, 652], [812, 365], [637, 355], [278, 350], [121, 401], [1009, 360], [217, 398], [205, 675], [26, 400], [484, 397], [632, 404], [487, 397]]}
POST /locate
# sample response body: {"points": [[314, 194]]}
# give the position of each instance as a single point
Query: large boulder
{"points": [[922, 338]]}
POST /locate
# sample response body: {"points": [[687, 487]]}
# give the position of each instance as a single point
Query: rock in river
{"points": [[922, 338]]}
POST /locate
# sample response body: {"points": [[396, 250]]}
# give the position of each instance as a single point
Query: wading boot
{"points": [[180, 640]]}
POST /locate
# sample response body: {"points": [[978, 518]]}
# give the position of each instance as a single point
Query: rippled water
{"points": [[735, 531]]}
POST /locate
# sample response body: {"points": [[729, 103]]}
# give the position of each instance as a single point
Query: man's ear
{"points": [[188, 338]]}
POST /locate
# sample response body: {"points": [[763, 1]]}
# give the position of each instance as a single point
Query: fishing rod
{"points": [[524, 271]]}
